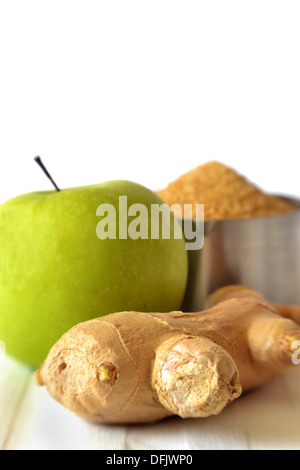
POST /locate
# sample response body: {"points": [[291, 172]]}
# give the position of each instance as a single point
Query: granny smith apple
{"points": [[57, 269]]}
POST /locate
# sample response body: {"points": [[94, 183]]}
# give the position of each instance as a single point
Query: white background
{"points": [[146, 90]]}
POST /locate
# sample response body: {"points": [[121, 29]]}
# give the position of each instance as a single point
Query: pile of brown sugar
{"points": [[224, 193]]}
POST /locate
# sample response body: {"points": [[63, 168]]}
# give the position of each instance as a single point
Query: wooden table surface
{"points": [[268, 418]]}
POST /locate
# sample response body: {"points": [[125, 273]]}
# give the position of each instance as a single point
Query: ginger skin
{"points": [[132, 367]]}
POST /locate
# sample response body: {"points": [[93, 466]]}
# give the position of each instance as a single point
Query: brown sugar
{"points": [[224, 193]]}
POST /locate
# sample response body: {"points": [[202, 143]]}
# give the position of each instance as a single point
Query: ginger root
{"points": [[132, 367]]}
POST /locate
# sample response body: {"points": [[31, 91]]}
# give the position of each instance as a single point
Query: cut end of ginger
{"points": [[225, 194]]}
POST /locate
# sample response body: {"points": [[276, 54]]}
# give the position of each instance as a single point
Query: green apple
{"points": [[56, 272]]}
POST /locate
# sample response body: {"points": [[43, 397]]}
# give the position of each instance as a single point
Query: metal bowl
{"points": [[262, 253]]}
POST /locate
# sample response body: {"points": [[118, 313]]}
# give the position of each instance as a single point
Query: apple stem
{"points": [[40, 163]]}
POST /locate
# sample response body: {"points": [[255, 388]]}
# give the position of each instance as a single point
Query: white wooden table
{"points": [[268, 418]]}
